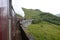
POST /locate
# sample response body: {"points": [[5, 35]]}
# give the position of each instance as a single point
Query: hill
{"points": [[39, 16], [45, 31], [30, 13], [19, 16], [45, 26], [58, 15]]}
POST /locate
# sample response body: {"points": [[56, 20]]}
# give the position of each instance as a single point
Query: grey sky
{"points": [[52, 6]]}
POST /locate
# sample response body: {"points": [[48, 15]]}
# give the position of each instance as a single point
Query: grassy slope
{"points": [[40, 15], [30, 13], [45, 31]]}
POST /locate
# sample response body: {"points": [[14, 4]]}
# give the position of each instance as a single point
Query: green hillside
{"points": [[19, 16], [45, 26], [30, 13], [39, 16], [45, 31]]}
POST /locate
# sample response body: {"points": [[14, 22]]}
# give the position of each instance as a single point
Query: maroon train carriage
{"points": [[7, 20]]}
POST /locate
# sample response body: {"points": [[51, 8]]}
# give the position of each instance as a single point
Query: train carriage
{"points": [[7, 20]]}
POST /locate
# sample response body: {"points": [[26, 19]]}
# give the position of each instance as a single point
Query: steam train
{"points": [[8, 21]]}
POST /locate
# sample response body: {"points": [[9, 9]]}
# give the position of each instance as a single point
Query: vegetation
{"points": [[50, 18], [39, 16], [30, 13], [45, 26], [45, 31], [18, 15]]}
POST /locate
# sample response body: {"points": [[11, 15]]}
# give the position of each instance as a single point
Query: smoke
{"points": [[16, 5]]}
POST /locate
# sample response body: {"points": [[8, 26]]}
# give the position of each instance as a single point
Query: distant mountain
{"points": [[58, 15]]}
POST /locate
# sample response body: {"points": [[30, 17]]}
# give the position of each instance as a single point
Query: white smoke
{"points": [[16, 5]]}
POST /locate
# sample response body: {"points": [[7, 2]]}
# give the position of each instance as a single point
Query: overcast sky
{"points": [[52, 6], [17, 7]]}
